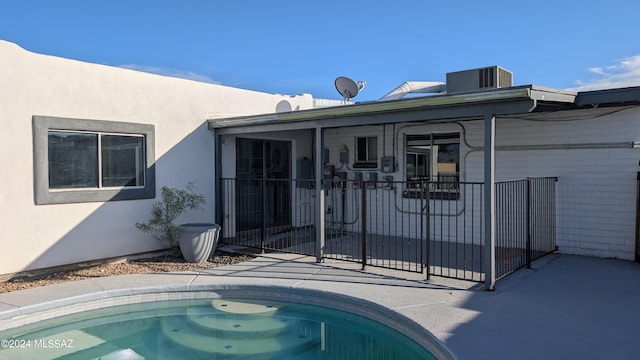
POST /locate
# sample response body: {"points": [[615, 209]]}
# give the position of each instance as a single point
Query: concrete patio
{"points": [[565, 307]]}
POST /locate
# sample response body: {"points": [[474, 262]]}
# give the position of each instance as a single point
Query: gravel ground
{"points": [[166, 263]]}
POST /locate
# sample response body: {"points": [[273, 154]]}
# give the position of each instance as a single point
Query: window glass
{"points": [[448, 164], [73, 160], [122, 160], [434, 158], [449, 153], [367, 149], [417, 166], [372, 149], [411, 166], [422, 162], [361, 150]]}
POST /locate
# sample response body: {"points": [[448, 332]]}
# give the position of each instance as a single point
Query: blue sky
{"points": [[292, 47]]}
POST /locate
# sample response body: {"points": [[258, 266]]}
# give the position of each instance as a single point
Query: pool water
{"points": [[210, 329]]}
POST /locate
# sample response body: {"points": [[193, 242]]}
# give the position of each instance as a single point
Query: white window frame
{"points": [[369, 161]]}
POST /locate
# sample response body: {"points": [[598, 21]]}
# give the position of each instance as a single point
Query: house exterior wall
{"points": [[596, 189], [389, 212], [40, 236], [589, 151]]}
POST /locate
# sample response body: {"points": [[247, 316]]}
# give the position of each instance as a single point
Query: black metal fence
{"points": [[371, 223], [271, 214], [410, 226], [456, 235], [525, 222]]}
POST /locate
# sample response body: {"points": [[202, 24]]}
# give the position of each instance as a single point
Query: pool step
{"points": [[246, 308], [178, 330], [234, 325]]}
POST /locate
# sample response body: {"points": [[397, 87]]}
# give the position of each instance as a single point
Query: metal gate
{"points": [[369, 222], [525, 222], [253, 221]]}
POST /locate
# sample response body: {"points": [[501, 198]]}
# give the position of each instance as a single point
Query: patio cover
{"points": [[476, 105]]}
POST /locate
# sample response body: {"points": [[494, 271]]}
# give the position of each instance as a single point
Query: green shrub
{"points": [[172, 204]]}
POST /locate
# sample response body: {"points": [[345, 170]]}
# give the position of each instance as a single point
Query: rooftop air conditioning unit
{"points": [[477, 79]]}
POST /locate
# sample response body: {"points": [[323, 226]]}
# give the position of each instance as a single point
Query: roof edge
{"points": [[376, 107], [614, 96]]}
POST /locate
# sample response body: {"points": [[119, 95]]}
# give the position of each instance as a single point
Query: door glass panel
{"points": [[249, 188], [277, 189], [263, 172]]}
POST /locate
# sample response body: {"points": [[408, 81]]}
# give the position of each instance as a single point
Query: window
{"points": [[432, 160], [90, 160], [76, 162], [366, 152]]}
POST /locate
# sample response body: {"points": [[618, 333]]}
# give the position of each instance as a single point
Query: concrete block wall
{"points": [[590, 151], [592, 155]]}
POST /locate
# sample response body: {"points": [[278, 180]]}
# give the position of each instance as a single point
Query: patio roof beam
{"points": [[441, 113], [630, 95]]}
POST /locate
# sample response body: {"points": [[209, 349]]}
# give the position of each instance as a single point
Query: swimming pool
{"points": [[307, 321], [211, 328]]}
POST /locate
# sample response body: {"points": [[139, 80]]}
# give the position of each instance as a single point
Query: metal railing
{"points": [[410, 226], [525, 222], [456, 234], [271, 214], [371, 223]]}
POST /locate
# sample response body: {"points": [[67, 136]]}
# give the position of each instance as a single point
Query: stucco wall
{"points": [[38, 236]]}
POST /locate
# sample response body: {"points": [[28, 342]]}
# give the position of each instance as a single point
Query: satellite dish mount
{"points": [[349, 88]]}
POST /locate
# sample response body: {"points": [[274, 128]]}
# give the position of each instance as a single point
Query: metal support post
{"points": [[638, 219], [319, 219], [263, 228], [363, 212], [529, 204], [489, 201]]}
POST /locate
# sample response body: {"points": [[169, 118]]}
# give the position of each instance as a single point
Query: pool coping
{"points": [[25, 315]]}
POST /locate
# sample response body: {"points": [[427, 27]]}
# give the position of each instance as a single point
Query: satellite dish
{"points": [[348, 88]]}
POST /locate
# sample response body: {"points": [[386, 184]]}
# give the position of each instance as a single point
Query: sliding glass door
{"points": [[263, 192]]}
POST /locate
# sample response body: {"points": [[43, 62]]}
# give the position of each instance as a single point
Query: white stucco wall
{"points": [[38, 236]]}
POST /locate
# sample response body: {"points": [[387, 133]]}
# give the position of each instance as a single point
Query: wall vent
{"points": [[476, 79]]}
